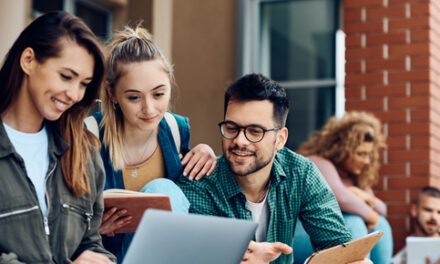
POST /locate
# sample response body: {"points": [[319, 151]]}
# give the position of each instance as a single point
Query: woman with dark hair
{"points": [[346, 151], [51, 173]]}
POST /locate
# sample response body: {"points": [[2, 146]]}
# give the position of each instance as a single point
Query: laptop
{"points": [[418, 248], [164, 237]]}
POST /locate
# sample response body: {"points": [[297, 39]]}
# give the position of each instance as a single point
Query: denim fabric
{"points": [[118, 243], [380, 254]]}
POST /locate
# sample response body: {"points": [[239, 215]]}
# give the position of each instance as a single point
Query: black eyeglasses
{"points": [[253, 133]]}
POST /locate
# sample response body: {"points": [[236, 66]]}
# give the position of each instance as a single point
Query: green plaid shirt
{"points": [[297, 189]]}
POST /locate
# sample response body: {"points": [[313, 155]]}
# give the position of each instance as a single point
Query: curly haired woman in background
{"points": [[346, 151]]}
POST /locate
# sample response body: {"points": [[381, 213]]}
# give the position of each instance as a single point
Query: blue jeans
{"points": [[178, 200], [380, 254]]}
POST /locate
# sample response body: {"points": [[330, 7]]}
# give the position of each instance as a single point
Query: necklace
{"points": [[264, 193], [134, 172]]}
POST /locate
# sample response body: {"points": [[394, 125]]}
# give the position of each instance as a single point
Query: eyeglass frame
{"points": [[244, 128]]}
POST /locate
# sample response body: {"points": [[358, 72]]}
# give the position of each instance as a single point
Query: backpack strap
{"points": [[172, 123], [92, 125]]}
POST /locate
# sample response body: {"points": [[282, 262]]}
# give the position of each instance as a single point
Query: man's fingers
{"points": [[283, 248]]}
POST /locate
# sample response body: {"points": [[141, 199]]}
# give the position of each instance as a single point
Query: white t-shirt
{"points": [[260, 213], [34, 149]]}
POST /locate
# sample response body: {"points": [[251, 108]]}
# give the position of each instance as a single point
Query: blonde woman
{"points": [[346, 151], [141, 152], [51, 173]]}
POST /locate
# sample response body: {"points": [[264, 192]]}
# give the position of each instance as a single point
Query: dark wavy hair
{"points": [[259, 87], [44, 36]]}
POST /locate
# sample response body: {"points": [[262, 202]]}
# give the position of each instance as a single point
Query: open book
{"points": [[348, 252], [135, 203]]}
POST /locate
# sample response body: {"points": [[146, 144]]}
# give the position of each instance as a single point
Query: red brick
{"points": [[392, 195], [353, 66], [362, 3], [409, 23], [408, 155], [352, 41], [413, 101], [353, 92], [362, 27], [399, 209], [358, 53], [419, 168], [396, 142], [385, 38], [407, 182], [419, 9], [368, 78], [391, 116], [388, 64], [419, 62], [409, 49], [393, 169], [413, 75], [420, 88], [412, 128], [381, 12], [367, 105], [419, 141], [419, 35], [352, 15], [419, 115]]}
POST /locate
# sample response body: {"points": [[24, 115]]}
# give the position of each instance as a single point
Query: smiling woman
{"points": [[52, 177], [346, 151]]}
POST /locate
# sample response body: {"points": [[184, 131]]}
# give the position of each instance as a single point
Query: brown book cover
{"points": [[348, 252], [135, 203]]}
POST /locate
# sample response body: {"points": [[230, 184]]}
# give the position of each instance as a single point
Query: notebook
{"points": [[348, 252], [164, 237], [418, 248]]}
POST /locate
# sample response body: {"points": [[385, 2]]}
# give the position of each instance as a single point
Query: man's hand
{"points": [[113, 219], [428, 261], [264, 252], [199, 161], [90, 257]]}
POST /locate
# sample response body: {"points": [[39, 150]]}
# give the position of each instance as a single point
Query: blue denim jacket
{"points": [[172, 164]]}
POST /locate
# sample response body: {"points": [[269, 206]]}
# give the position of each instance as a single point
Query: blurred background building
{"points": [[381, 56]]}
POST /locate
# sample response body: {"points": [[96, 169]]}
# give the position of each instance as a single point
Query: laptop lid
{"points": [[164, 237]]}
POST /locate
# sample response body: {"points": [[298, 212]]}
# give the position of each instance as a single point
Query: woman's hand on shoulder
{"points": [[199, 161], [90, 257], [113, 219]]}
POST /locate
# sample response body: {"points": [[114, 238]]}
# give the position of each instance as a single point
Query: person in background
{"points": [[52, 177], [260, 180], [346, 151], [426, 214], [139, 147]]}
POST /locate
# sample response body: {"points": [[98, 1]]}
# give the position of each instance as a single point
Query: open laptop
{"points": [[164, 237]]}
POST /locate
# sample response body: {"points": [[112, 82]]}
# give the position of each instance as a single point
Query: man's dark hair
{"points": [[259, 87], [429, 191]]}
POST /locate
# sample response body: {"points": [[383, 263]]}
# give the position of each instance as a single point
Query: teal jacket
{"points": [[173, 167], [72, 223]]}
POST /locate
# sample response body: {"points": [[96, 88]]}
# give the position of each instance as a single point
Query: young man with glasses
{"points": [[258, 179]]}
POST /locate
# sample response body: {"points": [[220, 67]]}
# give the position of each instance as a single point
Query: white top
{"points": [[34, 149], [400, 257], [260, 213]]}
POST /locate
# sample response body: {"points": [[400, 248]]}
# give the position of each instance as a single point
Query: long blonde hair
{"points": [[339, 138], [128, 46]]}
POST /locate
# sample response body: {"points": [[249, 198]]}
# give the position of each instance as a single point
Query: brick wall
{"points": [[392, 70]]}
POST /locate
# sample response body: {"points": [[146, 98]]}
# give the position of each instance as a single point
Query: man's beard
{"points": [[426, 233], [256, 165]]}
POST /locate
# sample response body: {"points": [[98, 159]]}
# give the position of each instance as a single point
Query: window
{"points": [[295, 43], [96, 16]]}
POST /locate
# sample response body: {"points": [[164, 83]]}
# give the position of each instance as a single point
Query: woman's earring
{"points": [[114, 106]]}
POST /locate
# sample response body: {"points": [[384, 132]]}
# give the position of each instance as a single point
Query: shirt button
{"points": [[248, 213]]}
